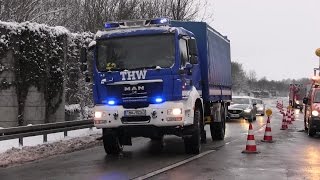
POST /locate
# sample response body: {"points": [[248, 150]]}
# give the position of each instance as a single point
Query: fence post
{"points": [[45, 138], [20, 141]]}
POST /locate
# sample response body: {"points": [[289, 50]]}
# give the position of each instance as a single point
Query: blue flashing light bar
{"points": [[111, 25], [150, 22], [160, 21]]}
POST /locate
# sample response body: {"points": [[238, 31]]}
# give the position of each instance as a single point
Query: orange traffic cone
{"points": [[284, 122], [267, 135], [251, 147], [288, 117]]}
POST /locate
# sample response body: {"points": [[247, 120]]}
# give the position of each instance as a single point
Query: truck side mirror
{"points": [[305, 100], [192, 47], [83, 55]]}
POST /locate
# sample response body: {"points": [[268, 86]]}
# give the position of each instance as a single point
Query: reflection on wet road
{"points": [[293, 155]]}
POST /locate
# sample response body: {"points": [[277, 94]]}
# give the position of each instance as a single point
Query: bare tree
{"points": [[90, 15]]}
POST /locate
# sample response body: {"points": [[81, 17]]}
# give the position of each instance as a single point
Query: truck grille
{"points": [[135, 119], [134, 94]]}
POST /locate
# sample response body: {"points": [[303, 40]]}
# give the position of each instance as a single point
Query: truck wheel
{"points": [[217, 129], [193, 144], [311, 132], [111, 142]]}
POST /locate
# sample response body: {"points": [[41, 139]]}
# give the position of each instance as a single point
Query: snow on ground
{"points": [[34, 149]]}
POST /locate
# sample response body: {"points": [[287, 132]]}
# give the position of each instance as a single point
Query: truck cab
{"points": [[150, 79], [312, 108]]}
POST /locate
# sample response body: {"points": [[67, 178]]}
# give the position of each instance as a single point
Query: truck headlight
{"points": [[315, 113], [247, 110], [97, 114], [175, 111]]}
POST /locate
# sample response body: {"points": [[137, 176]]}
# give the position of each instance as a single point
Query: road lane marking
{"points": [[159, 171], [180, 163]]}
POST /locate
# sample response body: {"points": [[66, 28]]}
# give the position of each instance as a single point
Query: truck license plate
{"points": [[138, 112]]}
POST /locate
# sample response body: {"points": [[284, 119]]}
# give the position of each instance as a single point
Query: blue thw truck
{"points": [[158, 77]]}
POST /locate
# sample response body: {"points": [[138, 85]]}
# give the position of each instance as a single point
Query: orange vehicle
{"points": [[312, 108]]}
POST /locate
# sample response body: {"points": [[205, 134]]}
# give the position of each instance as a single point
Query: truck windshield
{"points": [[137, 52]]}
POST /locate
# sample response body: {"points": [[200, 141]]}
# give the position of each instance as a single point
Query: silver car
{"points": [[261, 107], [242, 107]]}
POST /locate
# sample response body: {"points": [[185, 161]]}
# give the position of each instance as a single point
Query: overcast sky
{"points": [[276, 38]]}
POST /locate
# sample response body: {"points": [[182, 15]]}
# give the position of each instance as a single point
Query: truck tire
{"points": [[218, 129], [311, 132], [193, 144], [111, 142]]}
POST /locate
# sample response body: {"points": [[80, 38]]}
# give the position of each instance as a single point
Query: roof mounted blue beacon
{"points": [[111, 25], [158, 22], [138, 23]]}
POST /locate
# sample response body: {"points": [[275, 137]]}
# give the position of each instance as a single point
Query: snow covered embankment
{"points": [[16, 156]]}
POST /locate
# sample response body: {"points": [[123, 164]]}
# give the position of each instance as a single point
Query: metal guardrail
{"points": [[43, 129]]}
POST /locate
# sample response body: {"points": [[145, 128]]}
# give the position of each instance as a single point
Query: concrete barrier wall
{"points": [[8, 97], [54, 49], [35, 105]]}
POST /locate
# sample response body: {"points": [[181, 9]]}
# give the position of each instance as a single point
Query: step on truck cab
{"points": [[159, 77]]}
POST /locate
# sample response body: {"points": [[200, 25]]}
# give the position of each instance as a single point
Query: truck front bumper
{"points": [[155, 115], [315, 123]]}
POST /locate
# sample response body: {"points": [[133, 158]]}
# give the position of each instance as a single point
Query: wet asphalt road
{"points": [[293, 155]]}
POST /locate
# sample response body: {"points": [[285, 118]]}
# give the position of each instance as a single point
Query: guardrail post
{"points": [[45, 138], [65, 133], [20, 141]]}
